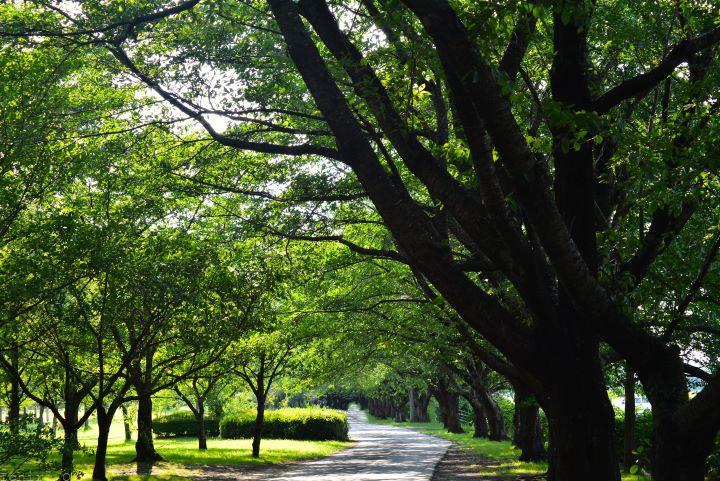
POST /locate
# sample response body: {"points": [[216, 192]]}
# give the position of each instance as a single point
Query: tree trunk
{"points": [[126, 423], [258, 428], [629, 428], [399, 408], [104, 421], [14, 404], [581, 427], [70, 444], [529, 433], [496, 423], [480, 421], [419, 406], [41, 416], [144, 447], [200, 418], [678, 457], [516, 418], [448, 402]]}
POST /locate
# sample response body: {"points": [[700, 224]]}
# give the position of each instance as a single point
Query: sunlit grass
{"points": [[183, 459], [502, 456]]}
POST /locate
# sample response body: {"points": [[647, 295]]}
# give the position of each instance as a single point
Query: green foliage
{"points": [[28, 443], [183, 424], [289, 423], [643, 437]]}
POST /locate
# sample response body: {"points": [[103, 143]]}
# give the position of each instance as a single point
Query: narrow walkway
{"points": [[382, 453]]}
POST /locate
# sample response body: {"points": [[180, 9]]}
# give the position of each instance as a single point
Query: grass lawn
{"points": [[502, 454], [183, 456]]}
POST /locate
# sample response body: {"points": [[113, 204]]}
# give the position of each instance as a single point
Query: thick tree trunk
{"points": [[528, 434], [258, 428], [516, 418], [126, 423], [419, 406], [144, 447], [677, 457], [496, 423], [200, 418], [629, 428], [104, 421], [448, 403], [581, 427], [480, 421], [70, 443]]}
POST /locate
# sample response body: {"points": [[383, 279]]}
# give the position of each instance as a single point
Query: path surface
{"points": [[382, 453]]}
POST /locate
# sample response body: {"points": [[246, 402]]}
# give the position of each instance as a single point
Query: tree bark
{"points": [[258, 428], [126, 423], [629, 428], [70, 443], [104, 420], [480, 421], [144, 447], [581, 422], [448, 403], [419, 406], [528, 435], [200, 418], [400, 416], [14, 402], [496, 422]]}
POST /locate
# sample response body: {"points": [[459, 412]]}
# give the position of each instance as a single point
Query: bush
{"points": [[643, 436], [183, 425], [289, 423]]}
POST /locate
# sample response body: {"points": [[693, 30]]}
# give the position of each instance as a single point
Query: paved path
{"points": [[382, 453]]}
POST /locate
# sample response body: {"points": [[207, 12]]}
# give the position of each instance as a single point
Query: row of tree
{"points": [[537, 179]]}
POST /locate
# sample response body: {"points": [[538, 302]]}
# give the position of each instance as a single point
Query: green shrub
{"points": [[289, 423], [183, 425], [643, 436]]}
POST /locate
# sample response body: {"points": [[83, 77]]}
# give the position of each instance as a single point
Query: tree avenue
{"points": [[482, 197]]}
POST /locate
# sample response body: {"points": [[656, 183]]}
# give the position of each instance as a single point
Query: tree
{"points": [[263, 357]]}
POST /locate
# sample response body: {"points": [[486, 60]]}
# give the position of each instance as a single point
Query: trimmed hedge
{"points": [[183, 425], [289, 423]]}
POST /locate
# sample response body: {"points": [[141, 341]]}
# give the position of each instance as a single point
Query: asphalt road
{"points": [[382, 453]]}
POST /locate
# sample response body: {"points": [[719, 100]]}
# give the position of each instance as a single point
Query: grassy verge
{"points": [[502, 456], [184, 459]]}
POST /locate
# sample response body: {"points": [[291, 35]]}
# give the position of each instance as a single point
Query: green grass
{"points": [[184, 459], [502, 456]]}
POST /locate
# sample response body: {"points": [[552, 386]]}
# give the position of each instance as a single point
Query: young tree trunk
{"points": [[104, 421], [200, 418], [126, 423], [41, 416], [258, 428], [528, 434], [629, 431], [14, 402], [144, 447]]}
